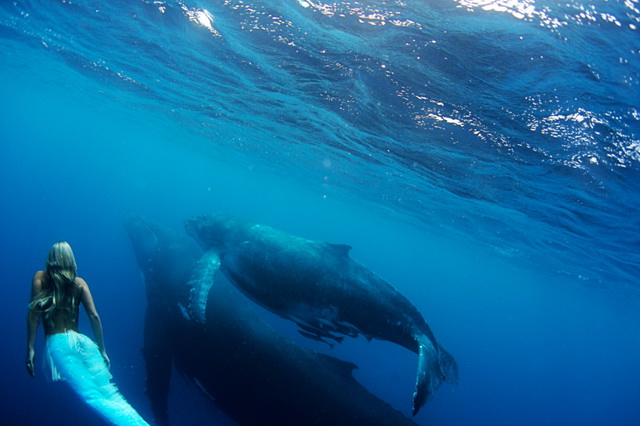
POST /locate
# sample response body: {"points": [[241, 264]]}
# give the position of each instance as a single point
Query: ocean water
{"points": [[482, 156]]}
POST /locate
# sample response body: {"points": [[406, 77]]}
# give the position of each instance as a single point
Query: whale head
{"points": [[214, 230]]}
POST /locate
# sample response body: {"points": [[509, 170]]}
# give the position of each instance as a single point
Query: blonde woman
{"points": [[56, 295]]}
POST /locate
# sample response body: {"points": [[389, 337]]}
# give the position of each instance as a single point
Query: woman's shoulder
{"points": [[38, 282], [81, 288], [81, 283]]}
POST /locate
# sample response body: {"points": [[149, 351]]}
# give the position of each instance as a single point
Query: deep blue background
{"points": [[484, 164]]}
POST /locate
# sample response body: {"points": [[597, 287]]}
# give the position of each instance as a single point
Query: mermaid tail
{"points": [[75, 358]]}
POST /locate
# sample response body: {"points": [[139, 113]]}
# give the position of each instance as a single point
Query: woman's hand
{"points": [[107, 361], [31, 354]]}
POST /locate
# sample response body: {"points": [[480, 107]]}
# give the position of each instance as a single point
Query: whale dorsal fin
{"points": [[340, 249], [344, 368]]}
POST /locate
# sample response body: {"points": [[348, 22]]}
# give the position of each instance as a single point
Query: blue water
{"points": [[482, 156]]}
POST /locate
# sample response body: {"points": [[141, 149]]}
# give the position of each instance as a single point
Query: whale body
{"points": [[318, 286], [250, 371]]}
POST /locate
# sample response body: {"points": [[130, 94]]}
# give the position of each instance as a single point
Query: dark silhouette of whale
{"points": [[317, 285], [254, 374]]}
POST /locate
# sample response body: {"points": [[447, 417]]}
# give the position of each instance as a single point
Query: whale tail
{"points": [[435, 366]]}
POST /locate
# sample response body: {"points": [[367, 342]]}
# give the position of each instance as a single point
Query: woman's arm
{"points": [[33, 318], [94, 318]]}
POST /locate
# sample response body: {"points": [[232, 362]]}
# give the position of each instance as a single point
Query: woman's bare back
{"points": [[65, 317]]}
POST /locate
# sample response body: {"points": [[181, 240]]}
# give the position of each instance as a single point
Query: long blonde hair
{"points": [[61, 271]]}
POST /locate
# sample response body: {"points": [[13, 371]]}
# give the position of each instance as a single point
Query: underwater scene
{"points": [[300, 212]]}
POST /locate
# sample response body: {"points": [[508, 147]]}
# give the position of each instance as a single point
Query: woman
{"points": [[56, 294]]}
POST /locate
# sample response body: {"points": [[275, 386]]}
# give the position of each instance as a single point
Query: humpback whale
{"points": [[319, 287], [250, 371]]}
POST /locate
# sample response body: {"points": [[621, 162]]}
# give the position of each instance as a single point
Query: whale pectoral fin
{"points": [[201, 282], [430, 374]]}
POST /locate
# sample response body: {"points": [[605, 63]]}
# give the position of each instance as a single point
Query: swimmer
{"points": [[56, 295]]}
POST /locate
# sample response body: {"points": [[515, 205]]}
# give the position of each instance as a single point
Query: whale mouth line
{"points": [[146, 238]]}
